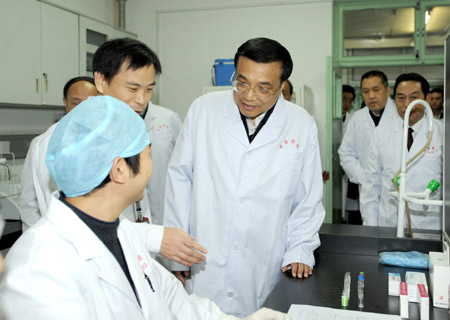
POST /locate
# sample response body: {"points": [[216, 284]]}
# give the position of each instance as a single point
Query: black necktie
{"points": [[410, 137]]}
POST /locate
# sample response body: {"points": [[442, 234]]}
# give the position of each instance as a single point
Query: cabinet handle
{"points": [[46, 81], [37, 85]]}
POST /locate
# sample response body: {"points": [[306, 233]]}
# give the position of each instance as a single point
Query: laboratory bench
{"points": [[354, 248]]}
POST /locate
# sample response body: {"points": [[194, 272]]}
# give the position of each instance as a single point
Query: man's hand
{"points": [[182, 276], [180, 247], [299, 270]]}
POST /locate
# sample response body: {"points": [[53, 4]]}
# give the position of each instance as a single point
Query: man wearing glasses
{"points": [[245, 178]]}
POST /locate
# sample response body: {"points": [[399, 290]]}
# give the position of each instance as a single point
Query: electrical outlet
{"points": [[4, 146]]}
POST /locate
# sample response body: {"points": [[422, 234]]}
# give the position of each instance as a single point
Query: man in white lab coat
{"points": [[125, 69], [348, 96], [378, 207], [80, 261], [436, 101], [379, 109], [37, 185], [163, 126], [119, 73], [245, 178]]}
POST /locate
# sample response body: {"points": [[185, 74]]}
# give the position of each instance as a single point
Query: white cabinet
{"points": [[59, 52], [92, 35], [39, 52], [20, 63]]}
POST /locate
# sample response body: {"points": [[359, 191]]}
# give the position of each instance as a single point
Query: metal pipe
{"points": [[122, 14]]}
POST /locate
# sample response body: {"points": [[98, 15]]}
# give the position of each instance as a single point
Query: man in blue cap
{"points": [[80, 261]]}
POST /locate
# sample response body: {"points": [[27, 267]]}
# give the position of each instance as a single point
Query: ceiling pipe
{"points": [[122, 14]]}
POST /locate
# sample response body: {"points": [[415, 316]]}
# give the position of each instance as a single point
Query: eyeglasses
{"points": [[242, 87]]}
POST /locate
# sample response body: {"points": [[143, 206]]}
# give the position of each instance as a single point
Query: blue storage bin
{"points": [[222, 71]]}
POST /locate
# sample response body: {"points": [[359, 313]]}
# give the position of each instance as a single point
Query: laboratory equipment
{"points": [[361, 291], [424, 302], [414, 197], [222, 72], [346, 290], [404, 307], [394, 284], [439, 279], [413, 279]]}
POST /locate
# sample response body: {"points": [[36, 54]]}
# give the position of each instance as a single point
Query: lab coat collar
{"points": [[89, 246], [390, 110], [149, 117], [270, 131]]}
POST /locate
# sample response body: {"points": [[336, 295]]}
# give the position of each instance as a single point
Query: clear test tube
{"points": [[361, 291]]}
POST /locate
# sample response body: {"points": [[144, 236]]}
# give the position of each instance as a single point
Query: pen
{"points": [[140, 216], [149, 281]]}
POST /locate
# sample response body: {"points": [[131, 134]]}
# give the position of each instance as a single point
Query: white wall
{"points": [[102, 10], [189, 36]]}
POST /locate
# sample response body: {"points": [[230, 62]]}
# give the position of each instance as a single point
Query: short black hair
{"points": [[110, 56], [75, 80], [437, 90], [133, 162], [375, 73], [291, 89], [424, 85], [264, 50], [349, 89]]}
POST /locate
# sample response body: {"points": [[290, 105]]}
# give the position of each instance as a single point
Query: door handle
{"points": [[46, 81]]}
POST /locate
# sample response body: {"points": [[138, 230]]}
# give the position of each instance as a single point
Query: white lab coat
{"points": [[378, 207], [347, 203], [38, 186], [163, 126], [59, 269], [256, 207], [355, 144], [348, 116]]}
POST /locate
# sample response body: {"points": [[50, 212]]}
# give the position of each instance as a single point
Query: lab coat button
{"points": [[249, 153], [230, 294], [241, 200], [236, 247]]}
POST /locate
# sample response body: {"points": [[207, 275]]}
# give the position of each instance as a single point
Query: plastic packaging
{"points": [[410, 259]]}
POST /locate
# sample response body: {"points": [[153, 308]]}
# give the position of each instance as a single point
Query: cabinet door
{"points": [[20, 62], [59, 46], [92, 35]]}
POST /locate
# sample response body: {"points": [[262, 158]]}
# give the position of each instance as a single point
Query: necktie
{"points": [[410, 137]]}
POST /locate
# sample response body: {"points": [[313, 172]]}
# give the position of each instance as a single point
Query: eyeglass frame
{"points": [[256, 93]]}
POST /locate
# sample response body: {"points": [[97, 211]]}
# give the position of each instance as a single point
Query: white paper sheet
{"points": [[305, 312]]}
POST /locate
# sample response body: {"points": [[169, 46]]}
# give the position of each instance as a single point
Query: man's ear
{"points": [[100, 82], [120, 171]]}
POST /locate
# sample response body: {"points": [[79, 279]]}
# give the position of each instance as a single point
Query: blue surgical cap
{"points": [[86, 141]]}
